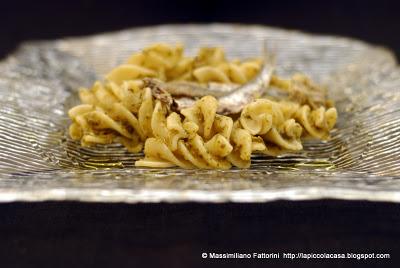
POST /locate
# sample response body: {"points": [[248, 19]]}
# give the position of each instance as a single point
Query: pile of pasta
{"points": [[167, 63], [123, 110]]}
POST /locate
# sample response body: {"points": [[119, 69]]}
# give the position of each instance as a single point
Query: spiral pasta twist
{"points": [[301, 89], [112, 113], [200, 140], [317, 123], [269, 120]]}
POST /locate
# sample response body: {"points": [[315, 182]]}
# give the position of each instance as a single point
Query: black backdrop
{"points": [[375, 21], [56, 234]]}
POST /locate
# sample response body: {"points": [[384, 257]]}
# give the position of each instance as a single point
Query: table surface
{"points": [[73, 234]]}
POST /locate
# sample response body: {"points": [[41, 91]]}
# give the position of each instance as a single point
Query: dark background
{"points": [[374, 21], [55, 234]]}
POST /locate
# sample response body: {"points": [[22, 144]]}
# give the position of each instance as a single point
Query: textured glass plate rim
{"points": [[178, 196], [26, 193]]}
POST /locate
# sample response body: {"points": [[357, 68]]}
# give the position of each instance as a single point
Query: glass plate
{"points": [[39, 81]]}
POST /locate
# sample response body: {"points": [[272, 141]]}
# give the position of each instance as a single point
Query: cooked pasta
{"points": [[141, 116], [303, 90], [168, 63], [197, 140], [111, 113], [317, 123]]}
